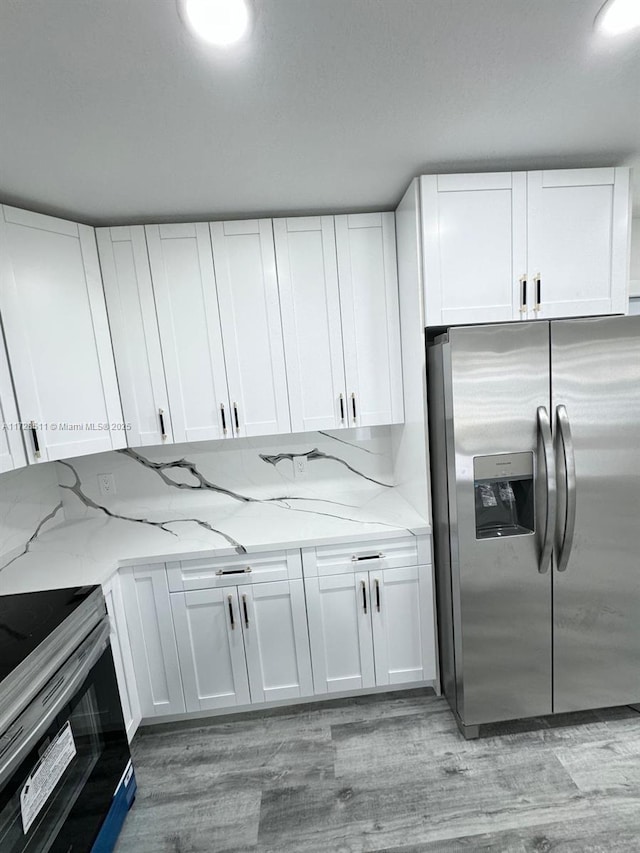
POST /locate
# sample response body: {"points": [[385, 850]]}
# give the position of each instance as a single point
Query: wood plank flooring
{"points": [[386, 773]]}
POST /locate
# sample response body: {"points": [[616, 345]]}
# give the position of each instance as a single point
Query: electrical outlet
{"points": [[299, 467], [107, 485]]}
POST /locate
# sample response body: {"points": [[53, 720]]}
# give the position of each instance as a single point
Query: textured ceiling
{"points": [[111, 112]]}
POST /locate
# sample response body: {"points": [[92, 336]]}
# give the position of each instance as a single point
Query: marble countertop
{"points": [[89, 549]]}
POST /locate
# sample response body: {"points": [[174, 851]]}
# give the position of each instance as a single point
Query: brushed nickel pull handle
{"points": [[364, 595], [233, 571], [224, 419], [568, 452], [523, 294], [231, 619], [342, 408], [376, 584], [34, 436], [163, 432], [357, 558], [353, 406], [538, 283], [235, 414], [246, 612], [544, 431]]}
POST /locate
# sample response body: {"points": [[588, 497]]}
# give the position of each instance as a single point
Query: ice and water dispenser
{"points": [[504, 495]]}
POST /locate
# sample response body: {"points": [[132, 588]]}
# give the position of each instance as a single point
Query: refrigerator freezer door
{"points": [[495, 380], [596, 378]]}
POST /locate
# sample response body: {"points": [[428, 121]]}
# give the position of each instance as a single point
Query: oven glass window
{"points": [[68, 797]]}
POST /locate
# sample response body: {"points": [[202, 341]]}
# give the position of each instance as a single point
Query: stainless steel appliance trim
{"points": [[503, 466], [566, 439], [544, 427], [35, 720], [19, 688]]}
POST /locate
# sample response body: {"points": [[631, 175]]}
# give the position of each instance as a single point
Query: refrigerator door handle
{"points": [[566, 439], [544, 429]]}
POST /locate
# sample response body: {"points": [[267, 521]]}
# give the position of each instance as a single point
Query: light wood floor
{"points": [[386, 773]]}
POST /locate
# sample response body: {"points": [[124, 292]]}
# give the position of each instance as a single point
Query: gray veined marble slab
{"points": [[172, 506]]}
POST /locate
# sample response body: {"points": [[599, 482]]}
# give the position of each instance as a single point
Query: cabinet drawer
{"points": [[360, 556], [215, 572]]}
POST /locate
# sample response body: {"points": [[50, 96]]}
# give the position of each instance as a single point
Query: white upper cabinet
{"points": [[245, 269], [189, 322], [578, 236], [368, 279], [525, 245], [57, 333], [134, 331], [310, 303], [12, 453], [474, 246]]}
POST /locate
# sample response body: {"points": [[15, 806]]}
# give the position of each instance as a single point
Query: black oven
{"points": [[66, 779]]}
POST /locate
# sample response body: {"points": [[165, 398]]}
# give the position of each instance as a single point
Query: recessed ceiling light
{"points": [[220, 22], [618, 16]]}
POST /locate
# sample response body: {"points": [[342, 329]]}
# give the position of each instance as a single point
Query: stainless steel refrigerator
{"points": [[535, 457]]}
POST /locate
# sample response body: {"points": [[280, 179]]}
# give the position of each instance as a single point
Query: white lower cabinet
{"points": [[403, 626], [122, 658], [216, 633], [153, 642], [242, 645], [372, 628], [210, 647]]}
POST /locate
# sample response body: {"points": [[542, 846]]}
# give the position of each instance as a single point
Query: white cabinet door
{"points": [[338, 608], [212, 660], [185, 291], [578, 238], [57, 333], [310, 302], [474, 247], [153, 643], [134, 332], [403, 625], [12, 453], [122, 657], [245, 268], [368, 277], [274, 625]]}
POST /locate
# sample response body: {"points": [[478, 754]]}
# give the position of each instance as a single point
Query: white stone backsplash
{"points": [[201, 484]]}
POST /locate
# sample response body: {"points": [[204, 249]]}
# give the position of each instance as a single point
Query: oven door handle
{"points": [[22, 735]]}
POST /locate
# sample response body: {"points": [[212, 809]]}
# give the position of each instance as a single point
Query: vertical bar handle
{"points": [[544, 431], [163, 432], [523, 294], [224, 418], [235, 415], [246, 611], [376, 584], [342, 408], [353, 406], [363, 587], [568, 453], [34, 436], [538, 283], [231, 619]]}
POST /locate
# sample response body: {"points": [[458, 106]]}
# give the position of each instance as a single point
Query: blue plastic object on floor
{"points": [[122, 801]]}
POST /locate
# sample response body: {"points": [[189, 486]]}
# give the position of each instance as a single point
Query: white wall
{"points": [[411, 463], [635, 256]]}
